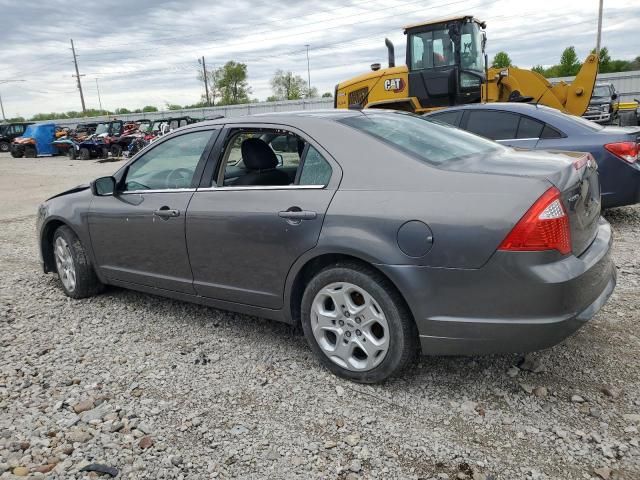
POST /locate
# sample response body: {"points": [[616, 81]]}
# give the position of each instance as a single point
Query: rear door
{"points": [[502, 127], [243, 240]]}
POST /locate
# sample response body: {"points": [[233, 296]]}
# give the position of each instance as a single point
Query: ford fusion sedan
{"points": [[382, 234], [523, 125]]}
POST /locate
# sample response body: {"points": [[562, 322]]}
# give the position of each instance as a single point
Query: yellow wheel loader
{"points": [[446, 65]]}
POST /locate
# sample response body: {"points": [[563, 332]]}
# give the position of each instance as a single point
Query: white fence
{"points": [[627, 84], [211, 112]]}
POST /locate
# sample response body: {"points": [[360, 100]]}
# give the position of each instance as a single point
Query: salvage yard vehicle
{"points": [[37, 140], [9, 131], [522, 125], [389, 235], [603, 107], [446, 66]]}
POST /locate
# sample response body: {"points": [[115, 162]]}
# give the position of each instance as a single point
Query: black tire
{"points": [[87, 283], [403, 334], [72, 153], [84, 154], [104, 153], [116, 150], [5, 147], [30, 152], [17, 153]]}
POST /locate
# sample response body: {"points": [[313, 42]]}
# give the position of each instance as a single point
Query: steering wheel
{"points": [[179, 178]]}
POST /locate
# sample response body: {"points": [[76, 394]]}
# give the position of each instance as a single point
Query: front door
{"points": [[138, 234], [245, 232]]}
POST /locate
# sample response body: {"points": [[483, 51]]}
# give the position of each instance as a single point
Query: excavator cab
{"points": [[446, 61]]}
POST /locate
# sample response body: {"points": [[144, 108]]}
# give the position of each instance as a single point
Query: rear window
{"points": [[452, 118], [493, 124], [432, 142]]}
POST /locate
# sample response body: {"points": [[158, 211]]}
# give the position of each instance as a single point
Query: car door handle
{"points": [[166, 212], [297, 215]]}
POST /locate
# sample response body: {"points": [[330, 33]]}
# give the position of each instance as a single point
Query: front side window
{"points": [[471, 55], [492, 124], [431, 49], [169, 165], [428, 141]]}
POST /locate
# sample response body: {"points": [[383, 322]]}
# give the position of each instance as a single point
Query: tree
{"points": [[122, 111], [501, 60], [287, 86], [173, 106], [233, 84], [327, 95], [538, 69], [213, 84], [569, 63], [312, 92], [149, 108]]}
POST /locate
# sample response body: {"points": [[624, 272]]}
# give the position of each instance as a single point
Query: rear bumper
{"points": [[517, 302]]}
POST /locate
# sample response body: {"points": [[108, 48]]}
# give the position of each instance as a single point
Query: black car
{"points": [[9, 131]]}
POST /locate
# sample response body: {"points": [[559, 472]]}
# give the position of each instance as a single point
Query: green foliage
{"points": [[231, 80], [570, 64], [149, 108], [501, 60], [122, 111], [173, 106], [15, 120], [327, 95], [287, 86]]}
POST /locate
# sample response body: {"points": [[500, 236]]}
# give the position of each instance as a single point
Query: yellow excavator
{"points": [[447, 65]]}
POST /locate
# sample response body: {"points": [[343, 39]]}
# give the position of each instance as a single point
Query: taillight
{"points": [[545, 226], [627, 151]]}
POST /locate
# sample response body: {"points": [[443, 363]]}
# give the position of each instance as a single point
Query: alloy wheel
{"points": [[349, 326], [64, 263]]}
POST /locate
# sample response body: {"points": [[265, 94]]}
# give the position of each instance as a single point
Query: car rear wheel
{"points": [[84, 154], [358, 324], [30, 152], [71, 153], [77, 277], [16, 153], [4, 147]]}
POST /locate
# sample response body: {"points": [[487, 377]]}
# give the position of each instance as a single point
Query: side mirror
{"points": [[103, 186]]}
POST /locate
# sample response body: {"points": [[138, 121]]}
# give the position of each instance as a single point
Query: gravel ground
{"points": [[161, 389]]}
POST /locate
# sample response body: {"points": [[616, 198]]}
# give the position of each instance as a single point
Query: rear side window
{"points": [[425, 140], [492, 124], [452, 118], [315, 170], [529, 128], [550, 132]]}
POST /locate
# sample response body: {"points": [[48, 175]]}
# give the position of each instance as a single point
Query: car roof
{"points": [[284, 117], [532, 109]]}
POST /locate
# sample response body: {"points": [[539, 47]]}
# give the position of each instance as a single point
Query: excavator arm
{"points": [[509, 84]]}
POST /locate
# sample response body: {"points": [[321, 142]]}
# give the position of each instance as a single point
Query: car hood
{"points": [[77, 188]]}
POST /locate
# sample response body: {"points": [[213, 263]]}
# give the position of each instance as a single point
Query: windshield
{"points": [[601, 91], [102, 128], [432, 142], [471, 57]]}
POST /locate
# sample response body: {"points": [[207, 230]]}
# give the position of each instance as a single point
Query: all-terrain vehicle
{"points": [[9, 131], [37, 140]]}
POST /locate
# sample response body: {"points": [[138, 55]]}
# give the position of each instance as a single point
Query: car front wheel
{"points": [[358, 324], [77, 277]]}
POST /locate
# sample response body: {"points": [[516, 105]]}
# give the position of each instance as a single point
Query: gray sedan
{"points": [[382, 234], [615, 149]]}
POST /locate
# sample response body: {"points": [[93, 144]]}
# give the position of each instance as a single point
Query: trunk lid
{"points": [[575, 174]]}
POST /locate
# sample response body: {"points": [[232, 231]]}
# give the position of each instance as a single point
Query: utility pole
{"points": [[99, 99], [206, 83], [599, 29], [4, 118], [77, 75], [308, 73]]}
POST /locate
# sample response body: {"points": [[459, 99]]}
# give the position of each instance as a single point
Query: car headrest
{"points": [[257, 155]]}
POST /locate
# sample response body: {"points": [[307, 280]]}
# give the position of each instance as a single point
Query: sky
{"points": [[146, 52]]}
